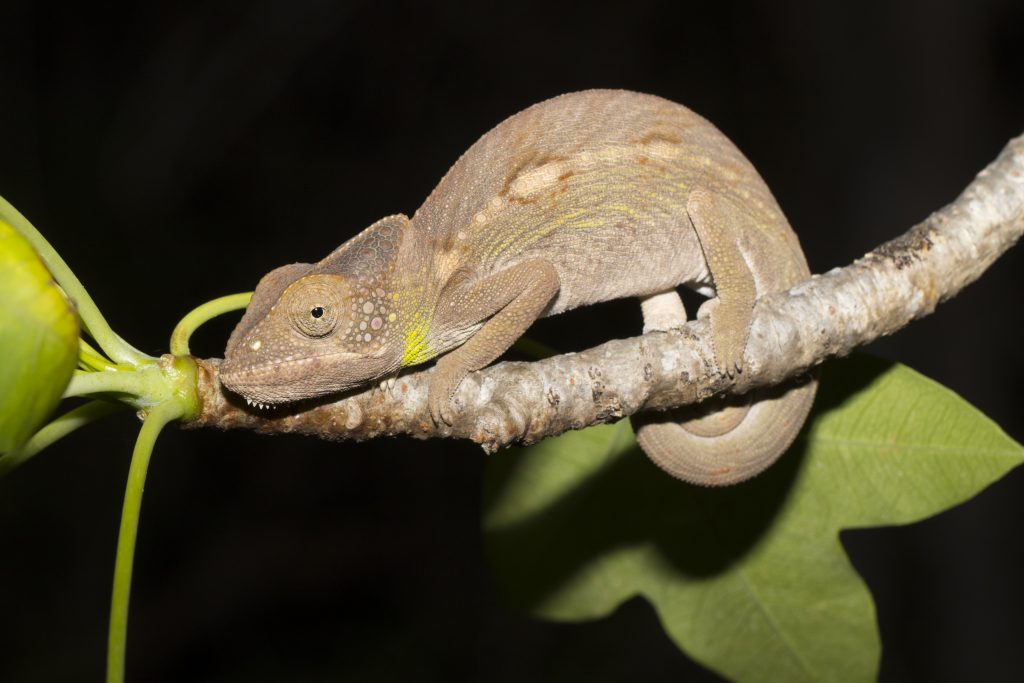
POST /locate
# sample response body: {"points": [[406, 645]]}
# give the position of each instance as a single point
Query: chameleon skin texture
{"points": [[580, 199]]}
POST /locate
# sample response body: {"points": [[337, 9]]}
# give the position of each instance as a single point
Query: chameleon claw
{"points": [[440, 412]]}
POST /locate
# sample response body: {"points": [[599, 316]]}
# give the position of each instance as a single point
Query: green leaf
{"points": [[750, 580], [38, 340]]}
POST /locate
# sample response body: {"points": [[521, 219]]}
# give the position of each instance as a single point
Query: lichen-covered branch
{"points": [[826, 316]]}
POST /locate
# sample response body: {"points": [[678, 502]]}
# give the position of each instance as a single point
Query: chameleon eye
{"points": [[319, 322], [314, 302]]}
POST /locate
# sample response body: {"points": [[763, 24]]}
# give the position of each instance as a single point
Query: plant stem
{"points": [[199, 315], [91, 359], [58, 429], [92, 320], [84, 383], [118, 634]]}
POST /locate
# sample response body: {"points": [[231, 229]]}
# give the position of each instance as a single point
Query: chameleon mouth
{"points": [[257, 392], [256, 404], [276, 383]]}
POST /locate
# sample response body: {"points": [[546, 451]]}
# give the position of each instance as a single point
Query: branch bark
{"points": [[826, 316]]}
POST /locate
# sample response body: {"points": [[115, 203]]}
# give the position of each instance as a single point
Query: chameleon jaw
{"points": [[261, 385], [254, 404]]}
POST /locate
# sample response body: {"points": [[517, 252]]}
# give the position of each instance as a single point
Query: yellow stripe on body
{"points": [[592, 210], [526, 234], [417, 349]]}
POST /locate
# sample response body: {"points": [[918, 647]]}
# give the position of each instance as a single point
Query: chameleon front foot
{"points": [[445, 381]]}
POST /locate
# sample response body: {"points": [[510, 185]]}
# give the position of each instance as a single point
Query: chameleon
{"points": [[582, 198]]}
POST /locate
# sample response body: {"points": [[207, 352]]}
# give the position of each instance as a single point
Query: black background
{"points": [[174, 152]]}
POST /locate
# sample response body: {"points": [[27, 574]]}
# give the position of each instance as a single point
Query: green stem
{"points": [[85, 383], [58, 429], [92, 359], [93, 321], [118, 635], [199, 315]]}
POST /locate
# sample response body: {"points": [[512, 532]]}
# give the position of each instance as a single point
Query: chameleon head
{"points": [[307, 334]]}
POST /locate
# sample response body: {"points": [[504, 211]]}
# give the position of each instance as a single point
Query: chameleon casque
{"points": [[583, 198]]}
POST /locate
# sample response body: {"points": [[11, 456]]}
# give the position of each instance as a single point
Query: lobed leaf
{"points": [[750, 580]]}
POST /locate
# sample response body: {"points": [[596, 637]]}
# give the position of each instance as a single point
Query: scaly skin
{"points": [[583, 198]]}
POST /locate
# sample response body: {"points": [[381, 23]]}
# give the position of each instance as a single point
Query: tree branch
{"points": [[826, 316]]}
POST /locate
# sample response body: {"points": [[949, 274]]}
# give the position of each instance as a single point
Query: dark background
{"points": [[174, 152]]}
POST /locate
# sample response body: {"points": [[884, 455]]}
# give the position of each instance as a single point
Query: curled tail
{"points": [[721, 441], [693, 443]]}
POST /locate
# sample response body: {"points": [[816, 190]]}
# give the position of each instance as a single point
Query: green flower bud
{"points": [[38, 340]]}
